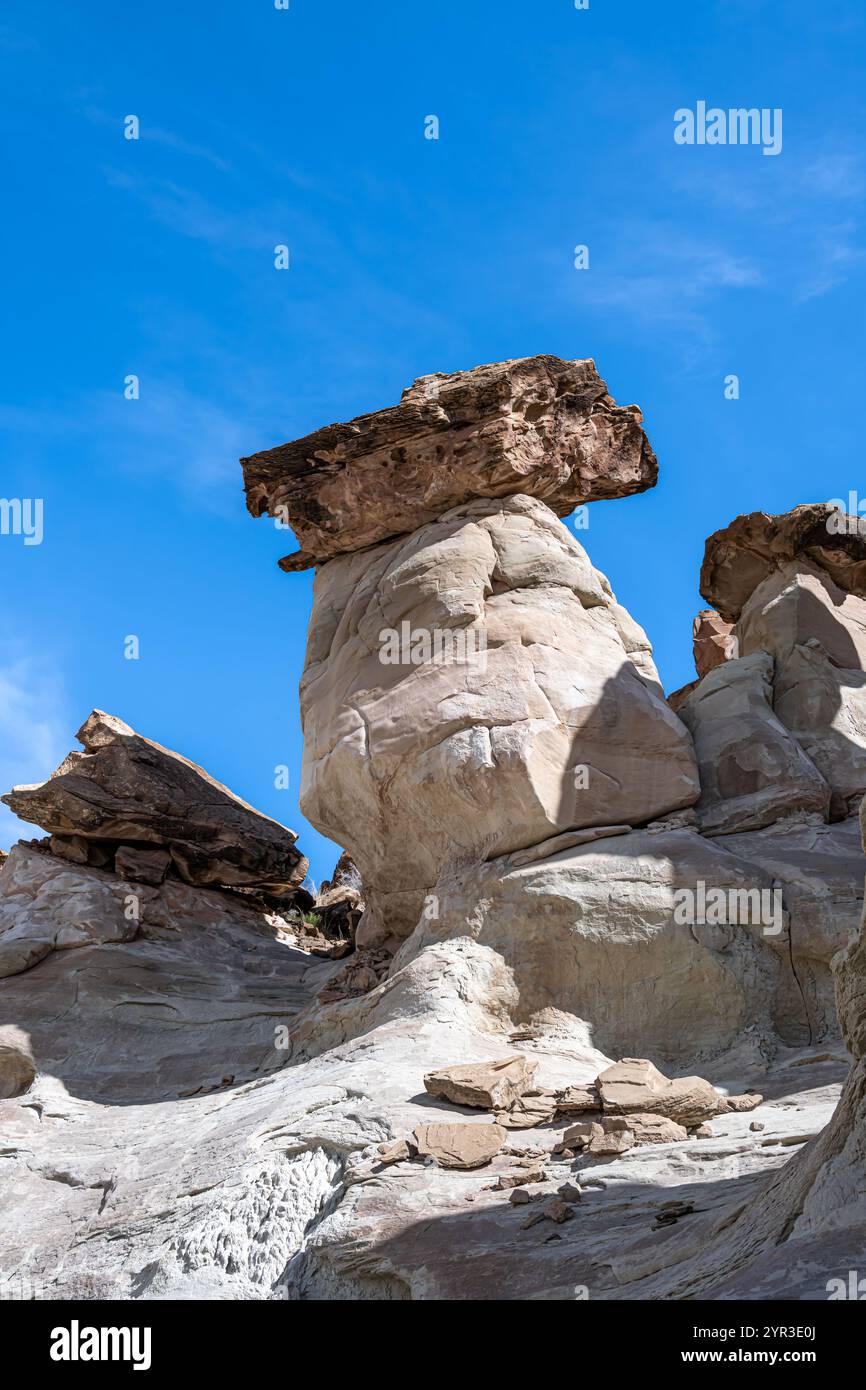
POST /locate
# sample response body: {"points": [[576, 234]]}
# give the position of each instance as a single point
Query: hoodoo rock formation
{"points": [[599, 938]]}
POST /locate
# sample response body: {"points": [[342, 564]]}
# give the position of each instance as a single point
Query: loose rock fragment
{"points": [[507, 1180], [486, 1085], [396, 1151], [576, 1136], [574, 1100], [570, 1193], [634, 1084], [656, 1129], [459, 1146], [750, 1101]]}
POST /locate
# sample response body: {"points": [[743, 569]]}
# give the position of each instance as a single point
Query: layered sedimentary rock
{"points": [[659, 941], [126, 791], [539, 426]]}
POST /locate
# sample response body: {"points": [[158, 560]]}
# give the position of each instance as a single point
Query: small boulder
{"points": [[570, 1193], [610, 1143], [460, 1145], [656, 1129], [394, 1151], [634, 1085], [575, 1100], [526, 1175], [485, 1085], [750, 1101], [534, 1108], [576, 1136]]}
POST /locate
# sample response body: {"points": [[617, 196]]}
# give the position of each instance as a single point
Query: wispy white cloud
{"points": [[152, 134], [187, 212], [836, 252], [676, 278], [170, 430]]}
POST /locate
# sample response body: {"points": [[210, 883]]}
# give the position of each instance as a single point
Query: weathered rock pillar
{"points": [[471, 687]]}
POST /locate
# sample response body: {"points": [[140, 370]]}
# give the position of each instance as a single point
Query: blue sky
{"points": [[305, 127]]}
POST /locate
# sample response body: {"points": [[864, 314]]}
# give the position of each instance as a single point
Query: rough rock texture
{"points": [[46, 905], [656, 1129], [748, 551], [340, 901], [816, 633], [124, 789], [805, 1231], [548, 717], [536, 425], [713, 641], [592, 931], [820, 869], [752, 770], [166, 1149]]}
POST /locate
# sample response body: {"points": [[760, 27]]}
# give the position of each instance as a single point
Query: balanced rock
{"points": [[126, 790], [635, 1086], [487, 1085], [540, 426], [460, 1145]]}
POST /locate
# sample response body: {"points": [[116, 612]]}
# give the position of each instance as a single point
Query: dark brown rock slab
{"points": [[126, 790], [540, 426]]}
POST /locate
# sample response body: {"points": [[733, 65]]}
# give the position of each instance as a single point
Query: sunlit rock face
{"points": [[472, 690]]}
